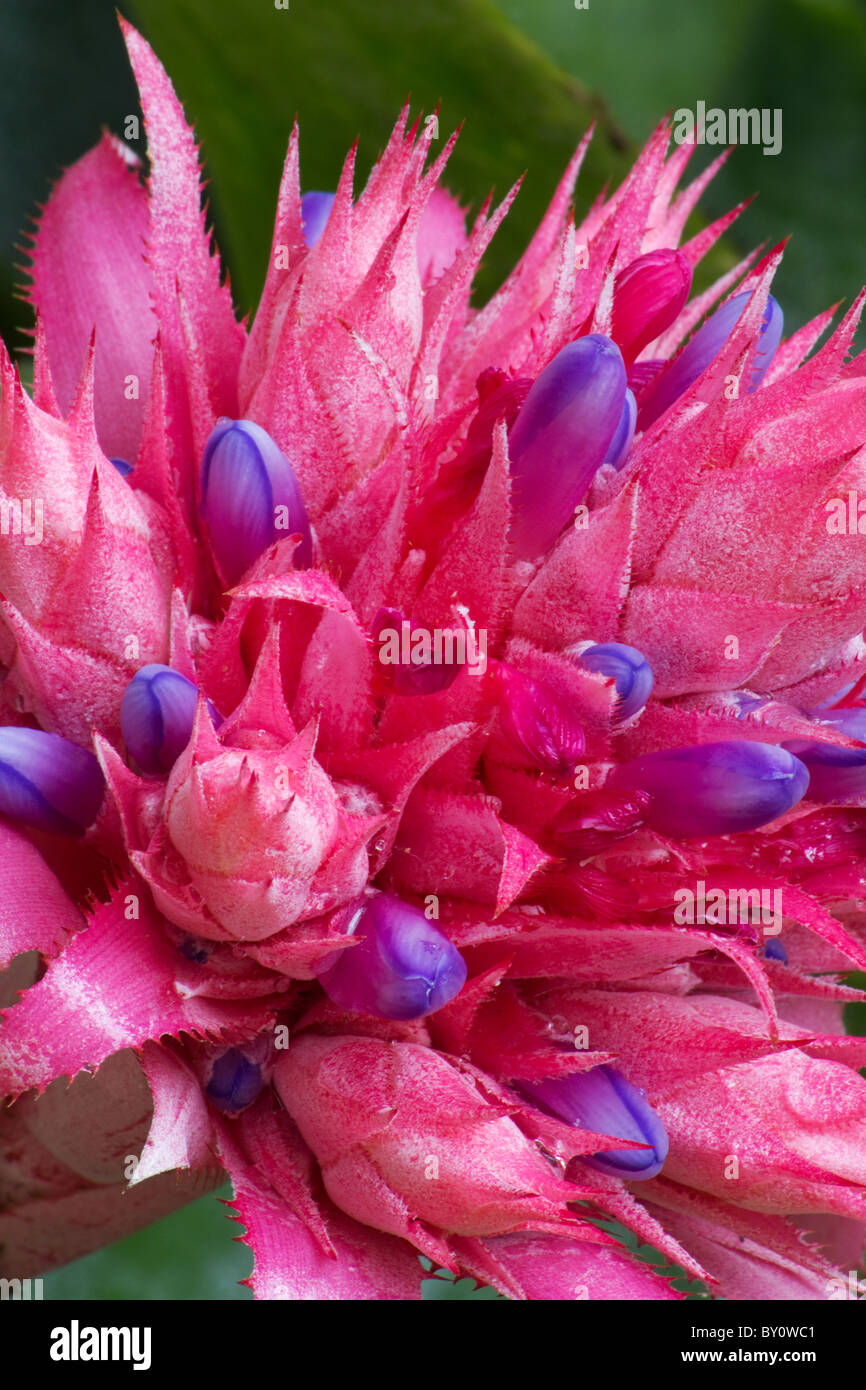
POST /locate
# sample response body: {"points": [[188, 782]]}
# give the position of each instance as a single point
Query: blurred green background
{"points": [[527, 76]]}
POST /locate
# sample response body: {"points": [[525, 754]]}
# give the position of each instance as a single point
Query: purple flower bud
{"points": [[850, 721], [123, 468], [619, 446], [194, 949], [315, 211], [835, 774], [840, 700], [602, 1100], [743, 702], [774, 950], [401, 659], [537, 721], [704, 347], [234, 1082], [560, 438], [250, 497], [157, 714], [404, 967], [715, 788], [640, 374], [630, 670], [47, 782]]}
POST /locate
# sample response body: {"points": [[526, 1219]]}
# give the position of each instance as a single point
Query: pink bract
{"points": [[194, 915]]}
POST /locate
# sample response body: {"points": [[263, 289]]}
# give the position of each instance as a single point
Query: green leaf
{"points": [[806, 58], [63, 75], [445, 1288], [243, 71], [188, 1255], [854, 1015]]}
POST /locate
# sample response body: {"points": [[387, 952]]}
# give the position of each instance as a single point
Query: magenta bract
{"points": [[605, 920]]}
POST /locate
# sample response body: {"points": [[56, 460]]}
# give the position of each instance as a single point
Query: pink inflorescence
{"points": [[462, 956]]}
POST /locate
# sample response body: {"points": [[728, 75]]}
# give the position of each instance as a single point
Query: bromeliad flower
{"points": [[395, 946]]}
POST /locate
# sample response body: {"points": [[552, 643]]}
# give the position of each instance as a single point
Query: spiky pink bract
{"points": [[190, 924]]}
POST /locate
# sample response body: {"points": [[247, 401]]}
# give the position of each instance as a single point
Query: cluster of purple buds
{"points": [[835, 773], [581, 411], [602, 1100], [403, 966]]}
